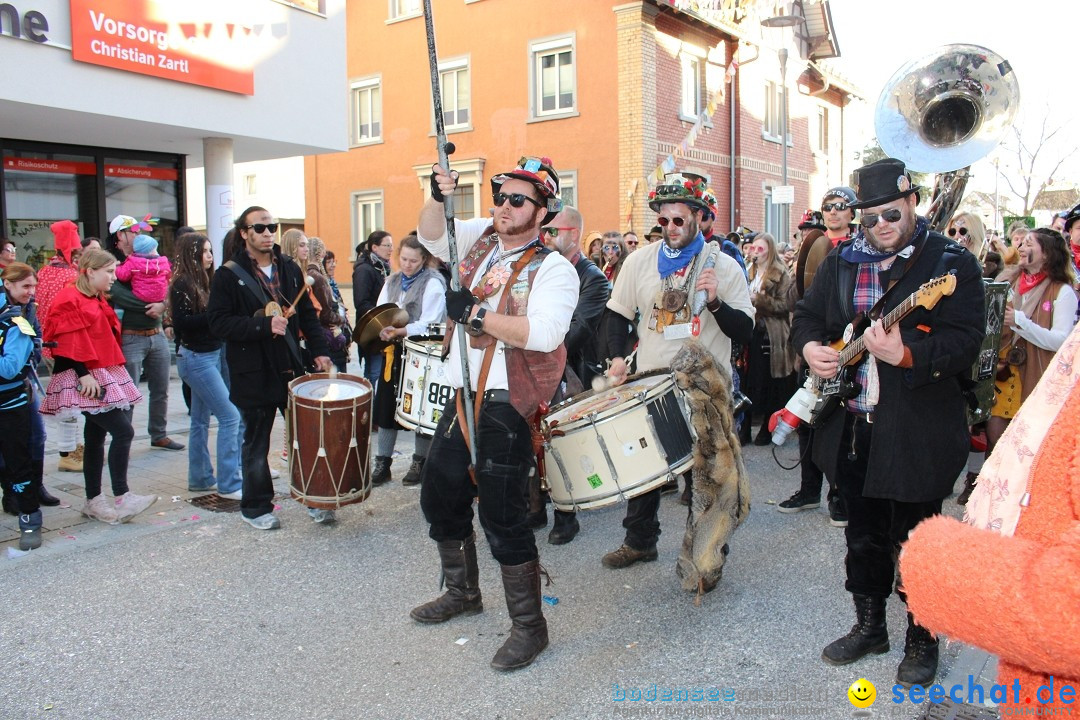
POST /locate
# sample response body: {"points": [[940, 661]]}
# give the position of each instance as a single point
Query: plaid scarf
{"points": [[867, 292]]}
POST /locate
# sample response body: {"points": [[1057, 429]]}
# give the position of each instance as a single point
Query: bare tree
{"points": [[1024, 164]]}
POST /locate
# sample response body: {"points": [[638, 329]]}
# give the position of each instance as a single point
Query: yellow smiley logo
{"points": [[862, 693]]}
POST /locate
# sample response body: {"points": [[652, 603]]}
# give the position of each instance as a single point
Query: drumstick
{"points": [[291, 310], [603, 382]]}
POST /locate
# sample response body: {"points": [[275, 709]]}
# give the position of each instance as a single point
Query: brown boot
{"points": [[528, 633], [462, 578]]}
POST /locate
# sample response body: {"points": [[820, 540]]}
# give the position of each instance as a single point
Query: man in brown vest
{"points": [[516, 358]]}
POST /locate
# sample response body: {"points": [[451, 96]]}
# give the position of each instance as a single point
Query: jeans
{"points": [[209, 395], [504, 459], [258, 494], [373, 368], [153, 353], [117, 424], [876, 526]]}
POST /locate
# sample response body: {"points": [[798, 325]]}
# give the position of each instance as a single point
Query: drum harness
{"points": [[263, 298]]}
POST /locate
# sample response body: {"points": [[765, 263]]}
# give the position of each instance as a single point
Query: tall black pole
{"points": [[445, 149]]}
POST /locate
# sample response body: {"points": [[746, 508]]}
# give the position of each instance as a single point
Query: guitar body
{"points": [[834, 393]]}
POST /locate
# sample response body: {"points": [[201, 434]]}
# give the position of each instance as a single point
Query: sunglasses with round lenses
{"points": [[963, 232], [516, 200], [260, 228], [663, 221], [838, 206], [869, 220]]}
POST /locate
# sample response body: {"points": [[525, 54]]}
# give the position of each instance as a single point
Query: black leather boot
{"points": [[564, 529], [44, 496], [868, 635], [380, 470], [920, 662], [462, 578], [415, 470], [528, 632], [969, 487]]}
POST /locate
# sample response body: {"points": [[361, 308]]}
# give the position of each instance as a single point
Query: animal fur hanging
{"points": [[721, 491]]}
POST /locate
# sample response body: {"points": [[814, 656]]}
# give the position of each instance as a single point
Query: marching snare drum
{"points": [[618, 443], [329, 428], [424, 389]]}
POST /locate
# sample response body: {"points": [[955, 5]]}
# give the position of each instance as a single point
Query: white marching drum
{"points": [[424, 389], [603, 447]]}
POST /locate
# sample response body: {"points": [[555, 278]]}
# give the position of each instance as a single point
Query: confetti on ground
{"points": [[176, 498], [70, 537], [770, 502], [461, 641], [13, 553], [551, 600], [631, 646]]}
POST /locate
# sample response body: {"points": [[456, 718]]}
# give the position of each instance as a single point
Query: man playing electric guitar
{"points": [[903, 439]]}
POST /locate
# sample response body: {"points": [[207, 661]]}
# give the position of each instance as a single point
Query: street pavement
{"points": [[187, 613]]}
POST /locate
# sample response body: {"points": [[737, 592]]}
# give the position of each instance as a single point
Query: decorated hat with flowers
{"points": [[677, 187]]}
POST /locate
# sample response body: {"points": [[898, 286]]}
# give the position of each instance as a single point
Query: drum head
{"points": [[606, 400], [814, 249], [326, 390]]}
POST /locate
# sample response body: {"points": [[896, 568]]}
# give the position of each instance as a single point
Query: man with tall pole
{"points": [[514, 298]]}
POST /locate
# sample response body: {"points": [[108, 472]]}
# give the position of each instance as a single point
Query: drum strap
{"points": [[262, 298], [489, 353]]}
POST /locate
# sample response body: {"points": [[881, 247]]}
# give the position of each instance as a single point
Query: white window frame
{"points": [[358, 200], [396, 13], [538, 49], [774, 215], [470, 173], [692, 78], [774, 109], [568, 181], [821, 138], [356, 90], [455, 66], [251, 186]]}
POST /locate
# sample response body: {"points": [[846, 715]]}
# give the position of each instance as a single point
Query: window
{"points": [[366, 108], [465, 202], [774, 216], [553, 77], [250, 188], [469, 197], [367, 212], [692, 61], [822, 136], [568, 187], [401, 9], [774, 107], [454, 82]]}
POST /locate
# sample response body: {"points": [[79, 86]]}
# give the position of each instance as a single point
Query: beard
{"points": [[690, 231], [506, 226]]}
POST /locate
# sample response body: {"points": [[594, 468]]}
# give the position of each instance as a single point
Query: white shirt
{"points": [[432, 309], [1053, 337], [552, 300]]}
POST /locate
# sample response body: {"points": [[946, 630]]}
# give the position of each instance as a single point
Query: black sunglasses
{"points": [[869, 220], [260, 228], [663, 221], [838, 206], [962, 231], [516, 200]]}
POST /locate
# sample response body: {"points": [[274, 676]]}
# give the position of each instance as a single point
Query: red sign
{"points": [[140, 172], [151, 38], [62, 167]]}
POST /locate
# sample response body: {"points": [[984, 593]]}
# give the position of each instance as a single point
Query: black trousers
{"points": [[876, 527], [258, 487], [811, 474], [642, 521], [116, 423], [504, 460], [19, 476]]}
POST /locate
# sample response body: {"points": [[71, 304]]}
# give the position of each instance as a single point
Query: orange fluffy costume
{"points": [[1008, 581]]}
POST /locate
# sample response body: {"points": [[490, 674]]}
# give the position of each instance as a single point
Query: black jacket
{"points": [[920, 441], [260, 364], [582, 347], [367, 282]]}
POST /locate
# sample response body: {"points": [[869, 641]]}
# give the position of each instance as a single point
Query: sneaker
{"points": [[322, 517], [100, 508], [626, 556], [129, 505], [263, 522], [69, 463], [798, 502], [837, 513], [234, 495]]}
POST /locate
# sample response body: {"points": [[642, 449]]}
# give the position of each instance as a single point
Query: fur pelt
{"points": [[721, 491]]}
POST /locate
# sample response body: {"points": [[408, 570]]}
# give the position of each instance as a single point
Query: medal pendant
{"points": [[673, 300]]}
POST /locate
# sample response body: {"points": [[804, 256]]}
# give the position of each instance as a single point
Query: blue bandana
{"points": [[406, 281], [861, 251], [670, 261]]}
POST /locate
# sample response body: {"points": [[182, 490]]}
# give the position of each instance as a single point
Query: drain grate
{"points": [[949, 710], [215, 503]]}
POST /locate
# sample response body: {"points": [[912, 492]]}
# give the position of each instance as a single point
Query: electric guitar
{"points": [[834, 391]]}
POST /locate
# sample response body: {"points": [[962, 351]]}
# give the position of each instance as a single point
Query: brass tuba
{"points": [[944, 111]]}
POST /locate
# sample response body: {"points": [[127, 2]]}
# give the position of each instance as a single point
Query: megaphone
{"points": [[799, 409]]}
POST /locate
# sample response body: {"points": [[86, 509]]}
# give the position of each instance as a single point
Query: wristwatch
{"points": [[476, 323]]}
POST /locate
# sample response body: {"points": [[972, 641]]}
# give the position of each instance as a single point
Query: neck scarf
{"points": [[670, 261], [406, 281], [380, 265], [1028, 281], [862, 251]]}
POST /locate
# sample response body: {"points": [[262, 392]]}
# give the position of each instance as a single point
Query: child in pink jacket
{"points": [[147, 271]]}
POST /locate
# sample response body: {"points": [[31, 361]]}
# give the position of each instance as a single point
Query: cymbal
{"points": [[814, 249], [371, 323]]}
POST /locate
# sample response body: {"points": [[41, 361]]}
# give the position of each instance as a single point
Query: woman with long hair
{"points": [[613, 251], [369, 273], [968, 230], [771, 368], [333, 323], [294, 245], [420, 290], [201, 364], [89, 378]]}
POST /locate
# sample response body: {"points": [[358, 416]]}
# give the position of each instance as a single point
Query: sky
{"points": [[876, 38]]}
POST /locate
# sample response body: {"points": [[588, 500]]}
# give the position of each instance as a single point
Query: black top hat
{"points": [[882, 182], [1071, 217], [811, 220]]}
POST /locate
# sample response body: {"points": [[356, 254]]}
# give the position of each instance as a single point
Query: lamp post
{"points": [[783, 21]]}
